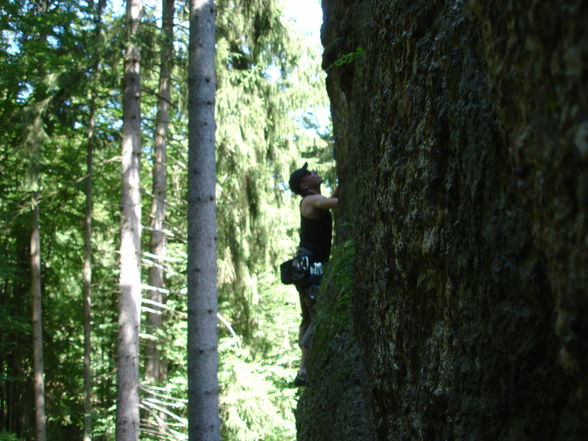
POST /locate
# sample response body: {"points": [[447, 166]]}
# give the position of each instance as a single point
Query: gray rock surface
{"points": [[462, 145]]}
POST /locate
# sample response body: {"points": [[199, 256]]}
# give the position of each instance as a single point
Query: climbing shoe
{"points": [[300, 380]]}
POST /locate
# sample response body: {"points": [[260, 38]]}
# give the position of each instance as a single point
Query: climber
{"points": [[315, 243]]}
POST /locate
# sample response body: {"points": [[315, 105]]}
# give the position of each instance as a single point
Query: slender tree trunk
{"points": [[155, 366], [35, 138], [88, 276], [127, 415], [203, 412], [38, 369], [88, 376]]}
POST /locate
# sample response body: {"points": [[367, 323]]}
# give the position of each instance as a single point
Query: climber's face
{"points": [[312, 180]]}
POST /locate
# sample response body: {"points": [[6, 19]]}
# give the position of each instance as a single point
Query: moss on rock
{"points": [[461, 140], [337, 378]]}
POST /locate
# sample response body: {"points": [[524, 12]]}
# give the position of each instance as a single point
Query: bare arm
{"points": [[311, 204], [327, 203]]}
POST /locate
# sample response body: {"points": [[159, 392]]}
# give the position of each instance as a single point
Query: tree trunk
{"points": [[88, 245], [155, 367], [203, 414], [127, 416], [35, 137], [88, 277], [38, 369]]}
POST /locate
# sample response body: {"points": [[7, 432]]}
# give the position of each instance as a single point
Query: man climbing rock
{"points": [[314, 249]]}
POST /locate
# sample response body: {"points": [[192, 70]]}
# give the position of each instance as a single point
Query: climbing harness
{"points": [[304, 272]]}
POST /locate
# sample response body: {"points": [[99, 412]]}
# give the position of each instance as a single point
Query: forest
{"points": [[145, 156], [66, 69]]}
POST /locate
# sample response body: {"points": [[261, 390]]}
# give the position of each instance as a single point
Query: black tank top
{"points": [[315, 235]]}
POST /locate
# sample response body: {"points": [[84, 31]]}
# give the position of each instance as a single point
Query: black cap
{"points": [[296, 177]]}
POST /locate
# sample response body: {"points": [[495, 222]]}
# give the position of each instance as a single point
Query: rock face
{"points": [[461, 132]]}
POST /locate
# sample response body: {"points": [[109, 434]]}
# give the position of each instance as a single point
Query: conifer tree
{"points": [[38, 368], [127, 416], [154, 365], [203, 413], [35, 138], [87, 265], [87, 274]]}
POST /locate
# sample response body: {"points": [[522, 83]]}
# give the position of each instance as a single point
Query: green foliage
{"points": [[256, 399], [259, 143], [267, 77], [269, 87], [347, 58], [7, 436]]}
